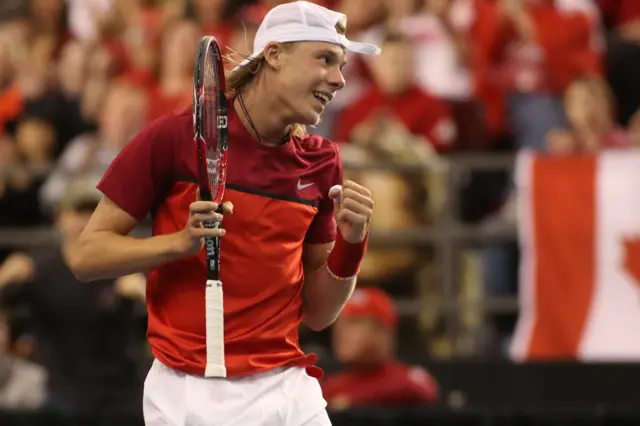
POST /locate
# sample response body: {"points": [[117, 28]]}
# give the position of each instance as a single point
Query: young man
{"points": [[282, 259]]}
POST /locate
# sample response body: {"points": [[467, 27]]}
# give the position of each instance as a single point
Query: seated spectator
{"points": [[363, 342], [589, 107], [526, 53], [85, 334], [89, 155], [28, 157], [439, 33], [22, 383], [394, 100], [174, 89]]}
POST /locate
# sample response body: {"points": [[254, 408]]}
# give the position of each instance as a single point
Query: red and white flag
{"points": [[579, 231]]}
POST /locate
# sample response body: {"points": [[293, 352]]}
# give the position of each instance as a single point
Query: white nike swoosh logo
{"points": [[301, 187]]}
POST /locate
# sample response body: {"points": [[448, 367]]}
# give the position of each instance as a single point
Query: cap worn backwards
{"points": [[305, 21]]}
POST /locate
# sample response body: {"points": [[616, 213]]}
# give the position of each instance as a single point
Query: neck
{"points": [[268, 120]]}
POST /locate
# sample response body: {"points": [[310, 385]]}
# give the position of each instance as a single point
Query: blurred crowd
{"points": [[78, 78]]}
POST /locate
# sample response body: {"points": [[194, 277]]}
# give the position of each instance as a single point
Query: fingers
{"points": [[356, 198], [354, 206], [204, 225], [203, 207], [207, 232], [348, 216], [227, 207], [210, 206], [359, 189], [197, 219], [351, 197]]}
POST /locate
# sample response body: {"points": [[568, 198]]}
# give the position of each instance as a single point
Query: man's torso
{"points": [[276, 192]]}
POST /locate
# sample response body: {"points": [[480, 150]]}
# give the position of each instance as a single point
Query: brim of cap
{"points": [[351, 46], [362, 48]]}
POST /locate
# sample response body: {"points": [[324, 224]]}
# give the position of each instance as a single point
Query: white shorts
{"points": [[281, 397]]}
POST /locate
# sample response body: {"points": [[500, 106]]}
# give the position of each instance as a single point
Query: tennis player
{"points": [[291, 245]]}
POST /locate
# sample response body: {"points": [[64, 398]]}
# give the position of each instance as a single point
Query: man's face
{"points": [[307, 77], [360, 340], [393, 68], [585, 107]]}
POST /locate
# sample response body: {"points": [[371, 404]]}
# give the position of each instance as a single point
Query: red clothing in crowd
{"points": [[393, 383], [620, 11], [421, 114], [564, 47]]}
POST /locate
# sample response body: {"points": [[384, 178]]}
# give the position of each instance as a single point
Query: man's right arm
{"points": [[134, 184], [104, 250]]}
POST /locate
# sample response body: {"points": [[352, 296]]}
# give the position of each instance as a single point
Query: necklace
{"points": [[261, 139]]}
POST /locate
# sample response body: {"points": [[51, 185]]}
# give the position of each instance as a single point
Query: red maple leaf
{"points": [[632, 257]]}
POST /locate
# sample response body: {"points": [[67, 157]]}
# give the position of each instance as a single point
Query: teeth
{"points": [[322, 96]]}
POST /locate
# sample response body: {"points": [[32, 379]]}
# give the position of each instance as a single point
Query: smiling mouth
{"points": [[322, 97]]}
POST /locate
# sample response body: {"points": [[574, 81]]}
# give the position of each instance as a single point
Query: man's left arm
{"points": [[331, 268]]}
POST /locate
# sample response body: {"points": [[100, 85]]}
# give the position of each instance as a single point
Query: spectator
{"points": [[27, 159], [84, 332], [89, 155], [22, 383], [589, 107], [393, 100], [527, 53], [363, 341], [174, 89], [439, 33]]}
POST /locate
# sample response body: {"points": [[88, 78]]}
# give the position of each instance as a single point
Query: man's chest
{"points": [[282, 173]]}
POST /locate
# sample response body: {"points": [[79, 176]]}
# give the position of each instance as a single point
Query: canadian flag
{"points": [[579, 232]]}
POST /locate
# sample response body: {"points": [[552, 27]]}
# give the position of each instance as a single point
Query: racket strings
{"points": [[213, 153]]}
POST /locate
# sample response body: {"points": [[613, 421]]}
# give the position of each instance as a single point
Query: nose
{"points": [[336, 79]]}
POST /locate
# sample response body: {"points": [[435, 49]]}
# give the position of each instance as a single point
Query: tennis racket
{"points": [[210, 111]]}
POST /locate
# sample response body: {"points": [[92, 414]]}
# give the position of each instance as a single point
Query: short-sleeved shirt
{"points": [[280, 198]]}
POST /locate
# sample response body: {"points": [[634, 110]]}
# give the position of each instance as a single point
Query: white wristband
{"points": [[335, 277]]}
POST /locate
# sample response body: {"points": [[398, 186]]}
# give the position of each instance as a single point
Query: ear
{"points": [[274, 55]]}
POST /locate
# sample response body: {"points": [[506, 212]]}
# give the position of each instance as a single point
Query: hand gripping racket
{"points": [[210, 111]]}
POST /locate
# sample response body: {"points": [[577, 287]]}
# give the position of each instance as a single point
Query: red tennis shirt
{"points": [[280, 198]]}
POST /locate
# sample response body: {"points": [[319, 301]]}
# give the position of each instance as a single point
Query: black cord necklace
{"points": [[246, 114]]}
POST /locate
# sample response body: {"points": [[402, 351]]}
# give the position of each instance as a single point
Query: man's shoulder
{"points": [[165, 130], [172, 119], [319, 146]]}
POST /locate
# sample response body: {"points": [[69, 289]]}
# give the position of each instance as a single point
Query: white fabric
{"points": [[281, 397], [304, 21], [579, 235]]}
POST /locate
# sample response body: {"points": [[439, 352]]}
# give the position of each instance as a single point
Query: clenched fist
{"points": [[353, 208]]}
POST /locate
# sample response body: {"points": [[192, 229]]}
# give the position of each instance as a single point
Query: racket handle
{"points": [[214, 324], [210, 224]]}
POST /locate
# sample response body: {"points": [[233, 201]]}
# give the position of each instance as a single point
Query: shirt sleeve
{"points": [[323, 227], [139, 176]]}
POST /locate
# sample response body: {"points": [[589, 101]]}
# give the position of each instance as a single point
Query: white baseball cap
{"points": [[304, 21]]}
